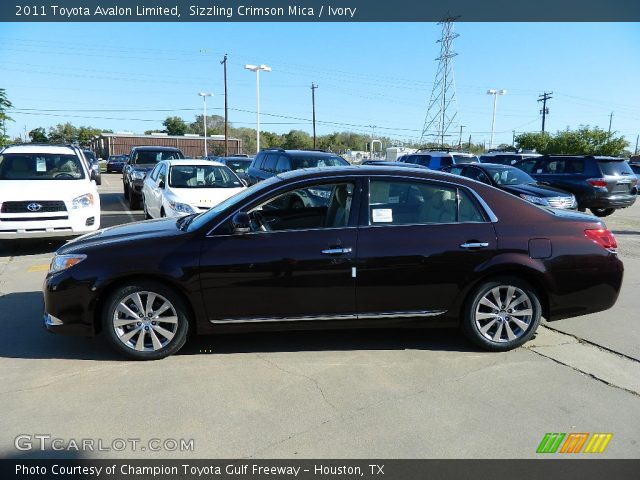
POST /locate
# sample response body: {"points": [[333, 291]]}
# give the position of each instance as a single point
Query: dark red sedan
{"points": [[365, 246]]}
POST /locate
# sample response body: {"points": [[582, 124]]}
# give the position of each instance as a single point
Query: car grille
{"points": [[561, 202], [22, 207]]}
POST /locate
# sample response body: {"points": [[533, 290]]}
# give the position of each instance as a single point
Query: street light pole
{"points": [[495, 94], [257, 69], [204, 96]]}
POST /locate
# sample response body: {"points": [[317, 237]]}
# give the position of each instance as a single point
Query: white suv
{"points": [[46, 191]]}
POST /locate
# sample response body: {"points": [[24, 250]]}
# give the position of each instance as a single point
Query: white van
{"points": [[46, 191]]}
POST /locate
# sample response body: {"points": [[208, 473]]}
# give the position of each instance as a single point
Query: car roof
{"points": [[39, 148], [487, 164], [373, 170], [191, 161], [156, 147], [319, 153]]}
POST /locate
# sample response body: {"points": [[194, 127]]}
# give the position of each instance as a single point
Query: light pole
{"points": [[204, 96], [495, 94], [257, 69]]}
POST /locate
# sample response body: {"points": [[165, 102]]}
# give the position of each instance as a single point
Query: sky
{"points": [[131, 76]]}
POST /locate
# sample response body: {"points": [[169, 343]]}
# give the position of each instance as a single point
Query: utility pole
{"points": [[469, 147], [460, 137], [610, 120], [513, 139], [313, 103], [543, 98], [636, 150], [226, 106]]}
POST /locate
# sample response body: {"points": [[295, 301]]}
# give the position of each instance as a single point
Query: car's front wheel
{"points": [[147, 216], [501, 314], [602, 212], [145, 321]]}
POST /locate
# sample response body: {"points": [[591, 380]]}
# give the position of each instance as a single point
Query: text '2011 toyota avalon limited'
{"points": [[364, 247]]}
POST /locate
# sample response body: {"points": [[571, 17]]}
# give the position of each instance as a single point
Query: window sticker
{"points": [[41, 165], [382, 215], [200, 175]]}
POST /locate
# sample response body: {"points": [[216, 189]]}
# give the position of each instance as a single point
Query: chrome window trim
{"points": [[311, 318], [490, 214]]}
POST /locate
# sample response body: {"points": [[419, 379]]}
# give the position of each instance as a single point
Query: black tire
{"points": [[126, 191], [489, 328], [602, 212], [144, 208], [129, 338], [134, 201]]}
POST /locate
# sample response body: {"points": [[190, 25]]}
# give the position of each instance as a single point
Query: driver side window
{"points": [[307, 208]]}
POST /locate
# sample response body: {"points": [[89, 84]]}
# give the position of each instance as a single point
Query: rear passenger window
{"points": [[445, 162], [269, 164], [407, 203], [283, 164], [527, 166]]}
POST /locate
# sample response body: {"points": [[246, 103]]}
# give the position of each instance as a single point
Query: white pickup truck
{"points": [[46, 191]]}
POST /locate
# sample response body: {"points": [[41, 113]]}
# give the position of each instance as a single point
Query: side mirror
{"points": [[161, 184], [244, 182], [241, 223]]}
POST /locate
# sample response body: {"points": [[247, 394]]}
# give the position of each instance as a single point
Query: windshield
{"points": [[202, 176], [466, 158], [615, 167], [147, 157], [312, 161], [509, 176], [238, 166], [205, 217], [40, 166]]}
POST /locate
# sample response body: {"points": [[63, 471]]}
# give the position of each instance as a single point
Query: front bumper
{"points": [[68, 306], [75, 222]]}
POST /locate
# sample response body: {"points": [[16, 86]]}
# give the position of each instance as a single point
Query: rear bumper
{"points": [[612, 201]]}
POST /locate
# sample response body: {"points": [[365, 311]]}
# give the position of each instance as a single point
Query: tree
{"points": [[63, 133], [215, 125], [86, 134], [297, 139], [38, 135], [583, 141], [175, 126], [5, 104]]}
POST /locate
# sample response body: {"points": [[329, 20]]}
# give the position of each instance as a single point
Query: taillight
{"points": [[597, 182], [602, 237]]}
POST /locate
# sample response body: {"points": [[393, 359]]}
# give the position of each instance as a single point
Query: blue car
{"points": [[115, 163]]}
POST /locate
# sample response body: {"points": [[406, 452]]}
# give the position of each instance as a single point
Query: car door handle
{"points": [[336, 251], [474, 245]]}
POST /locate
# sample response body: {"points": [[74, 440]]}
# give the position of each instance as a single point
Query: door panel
{"points": [[284, 274], [418, 267]]}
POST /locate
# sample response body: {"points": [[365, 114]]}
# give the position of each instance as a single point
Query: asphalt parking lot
{"points": [[349, 394]]}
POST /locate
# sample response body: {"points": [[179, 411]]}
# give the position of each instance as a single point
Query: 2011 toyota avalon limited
{"points": [[377, 246]]}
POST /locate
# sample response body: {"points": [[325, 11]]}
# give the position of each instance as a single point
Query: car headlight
{"points": [[181, 207], [83, 201], [63, 262], [535, 200], [138, 175]]}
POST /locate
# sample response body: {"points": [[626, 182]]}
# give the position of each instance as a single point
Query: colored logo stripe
{"points": [[550, 442], [598, 443], [574, 442]]}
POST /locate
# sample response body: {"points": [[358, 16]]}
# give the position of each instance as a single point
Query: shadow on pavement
{"points": [[24, 336], [30, 246]]}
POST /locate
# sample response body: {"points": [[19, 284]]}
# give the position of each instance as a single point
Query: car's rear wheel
{"points": [[602, 212], [145, 321], [501, 314]]}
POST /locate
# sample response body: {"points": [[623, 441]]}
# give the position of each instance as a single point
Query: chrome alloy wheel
{"points": [[145, 321], [504, 314]]}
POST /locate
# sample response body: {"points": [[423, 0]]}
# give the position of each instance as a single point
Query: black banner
{"points": [[317, 10], [566, 469]]}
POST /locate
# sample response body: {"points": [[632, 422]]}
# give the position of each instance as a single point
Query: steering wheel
{"points": [[261, 222], [64, 175]]}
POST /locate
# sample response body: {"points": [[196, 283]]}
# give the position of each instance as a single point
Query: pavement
{"points": [[347, 394]]}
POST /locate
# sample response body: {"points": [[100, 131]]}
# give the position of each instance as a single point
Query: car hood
{"points": [[203, 197], [23, 190], [536, 189], [144, 167], [147, 231]]}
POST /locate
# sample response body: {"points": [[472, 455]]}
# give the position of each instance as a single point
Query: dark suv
{"points": [[272, 161], [601, 184], [141, 161]]}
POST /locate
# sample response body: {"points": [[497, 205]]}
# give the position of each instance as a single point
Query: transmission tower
{"points": [[443, 106]]}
